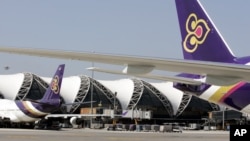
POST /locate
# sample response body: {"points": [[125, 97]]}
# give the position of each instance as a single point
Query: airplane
{"points": [[27, 111], [209, 69], [201, 40]]}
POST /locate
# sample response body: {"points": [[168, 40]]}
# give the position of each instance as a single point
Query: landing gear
{"points": [[47, 124]]}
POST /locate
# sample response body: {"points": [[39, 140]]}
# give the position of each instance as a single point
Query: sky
{"points": [[129, 27]]}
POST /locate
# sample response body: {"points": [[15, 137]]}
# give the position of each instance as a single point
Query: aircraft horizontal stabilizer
{"points": [[87, 102]]}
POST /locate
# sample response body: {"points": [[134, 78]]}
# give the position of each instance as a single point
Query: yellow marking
{"points": [[27, 107], [55, 85], [220, 93]]}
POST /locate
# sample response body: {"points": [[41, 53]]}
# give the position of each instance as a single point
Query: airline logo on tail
{"points": [[55, 85], [197, 31]]}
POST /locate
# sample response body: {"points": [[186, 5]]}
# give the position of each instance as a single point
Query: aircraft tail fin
{"points": [[52, 95], [200, 38]]}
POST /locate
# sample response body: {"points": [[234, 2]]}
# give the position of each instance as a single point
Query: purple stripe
{"points": [[240, 98], [232, 90], [45, 108], [24, 110]]}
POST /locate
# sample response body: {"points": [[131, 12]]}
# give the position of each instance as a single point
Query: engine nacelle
{"points": [[75, 121]]}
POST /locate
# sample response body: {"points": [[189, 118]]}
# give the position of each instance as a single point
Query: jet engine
{"points": [[75, 121]]}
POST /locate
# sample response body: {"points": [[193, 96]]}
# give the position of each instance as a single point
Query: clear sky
{"points": [[129, 27]]}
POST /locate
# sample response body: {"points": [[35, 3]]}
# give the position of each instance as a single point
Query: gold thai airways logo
{"points": [[54, 85], [197, 31]]}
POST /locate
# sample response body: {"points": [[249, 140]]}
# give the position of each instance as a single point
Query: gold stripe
{"points": [[220, 93], [27, 107]]}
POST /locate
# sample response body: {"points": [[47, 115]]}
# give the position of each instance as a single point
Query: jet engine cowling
{"points": [[75, 121]]}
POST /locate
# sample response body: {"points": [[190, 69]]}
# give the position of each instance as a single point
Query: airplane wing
{"points": [[75, 115], [216, 73], [152, 76]]}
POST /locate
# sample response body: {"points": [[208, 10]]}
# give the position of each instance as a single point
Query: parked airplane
{"points": [[33, 110], [202, 41], [219, 75]]}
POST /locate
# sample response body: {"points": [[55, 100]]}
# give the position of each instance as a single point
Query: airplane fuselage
{"points": [[234, 96], [12, 110]]}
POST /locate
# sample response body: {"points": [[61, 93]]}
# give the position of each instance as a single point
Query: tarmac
{"points": [[104, 135]]}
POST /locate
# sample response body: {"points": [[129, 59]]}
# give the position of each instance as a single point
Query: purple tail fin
{"points": [[52, 95], [200, 38]]}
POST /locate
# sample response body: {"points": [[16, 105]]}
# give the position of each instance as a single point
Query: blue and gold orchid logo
{"points": [[197, 31], [54, 85]]}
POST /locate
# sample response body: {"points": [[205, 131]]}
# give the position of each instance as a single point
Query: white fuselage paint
{"points": [[10, 110], [209, 92]]}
